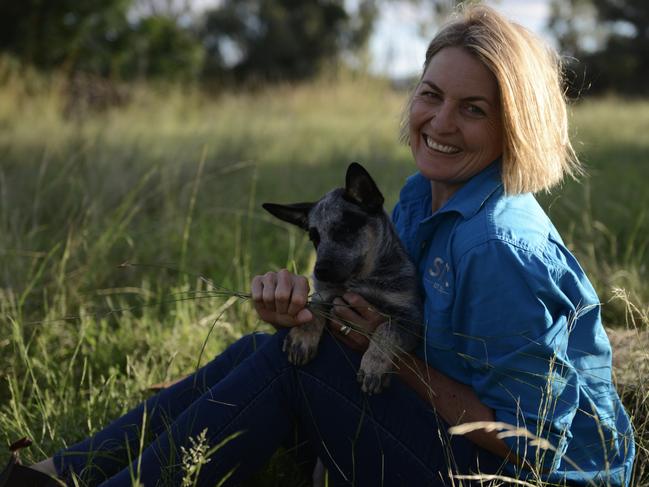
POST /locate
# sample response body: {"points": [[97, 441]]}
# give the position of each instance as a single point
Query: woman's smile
{"points": [[439, 147]]}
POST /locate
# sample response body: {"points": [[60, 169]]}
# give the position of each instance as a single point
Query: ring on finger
{"points": [[345, 330]]}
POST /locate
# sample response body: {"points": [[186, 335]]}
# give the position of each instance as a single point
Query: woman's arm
{"points": [[455, 402]]}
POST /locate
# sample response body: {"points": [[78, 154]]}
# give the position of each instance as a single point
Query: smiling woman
{"points": [[455, 127], [536, 149]]}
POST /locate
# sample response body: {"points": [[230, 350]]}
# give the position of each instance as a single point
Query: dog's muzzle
{"points": [[327, 272]]}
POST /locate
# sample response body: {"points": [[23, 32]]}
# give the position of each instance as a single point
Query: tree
{"points": [[282, 39], [161, 49], [50, 34], [97, 37], [606, 42]]}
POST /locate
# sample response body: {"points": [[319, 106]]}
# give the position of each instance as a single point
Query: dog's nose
{"points": [[327, 272]]}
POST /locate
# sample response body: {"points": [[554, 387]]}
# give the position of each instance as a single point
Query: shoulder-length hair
{"points": [[537, 152]]}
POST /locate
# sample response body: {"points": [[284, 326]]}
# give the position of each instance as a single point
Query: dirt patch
{"points": [[630, 354]]}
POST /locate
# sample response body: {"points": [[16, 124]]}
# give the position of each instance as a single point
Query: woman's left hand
{"points": [[358, 320]]}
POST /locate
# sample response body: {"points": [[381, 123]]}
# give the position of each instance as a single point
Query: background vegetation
{"points": [[133, 166], [252, 41], [172, 184]]}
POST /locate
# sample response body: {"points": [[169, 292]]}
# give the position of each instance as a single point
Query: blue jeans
{"points": [[393, 438]]}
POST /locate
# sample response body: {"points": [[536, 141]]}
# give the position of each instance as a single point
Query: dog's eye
{"points": [[314, 236]]}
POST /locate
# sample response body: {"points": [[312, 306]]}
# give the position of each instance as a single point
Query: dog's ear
{"points": [[361, 189], [297, 214]]}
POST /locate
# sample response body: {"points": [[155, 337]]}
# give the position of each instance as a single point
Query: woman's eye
{"points": [[475, 110], [430, 94]]}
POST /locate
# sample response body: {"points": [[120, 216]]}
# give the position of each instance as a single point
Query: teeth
{"points": [[446, 149]]}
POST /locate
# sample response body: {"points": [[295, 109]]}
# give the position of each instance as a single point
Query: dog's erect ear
{"points": [[297, 214], [361, 188]]}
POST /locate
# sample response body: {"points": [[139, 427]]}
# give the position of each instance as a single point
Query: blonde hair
{"points": [[537, 152]]}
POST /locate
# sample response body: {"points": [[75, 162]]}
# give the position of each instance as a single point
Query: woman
{"points": [[512, 333]]}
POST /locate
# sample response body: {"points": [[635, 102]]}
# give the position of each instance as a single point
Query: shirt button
{"points": [[423, 244]]}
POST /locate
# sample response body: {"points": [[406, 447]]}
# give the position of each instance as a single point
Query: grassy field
{"points": [[108, 221]]}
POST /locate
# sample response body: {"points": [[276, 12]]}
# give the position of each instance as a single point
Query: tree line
{"points": [[605, 42], [135, 39]]}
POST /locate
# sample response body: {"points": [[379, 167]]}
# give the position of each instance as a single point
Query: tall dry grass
{"points": [[171, 184]]}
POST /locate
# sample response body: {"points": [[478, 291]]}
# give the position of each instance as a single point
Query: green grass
{"points": [[172, 183]]}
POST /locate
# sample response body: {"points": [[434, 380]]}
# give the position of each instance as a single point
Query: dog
{"points": [[359, 251]]}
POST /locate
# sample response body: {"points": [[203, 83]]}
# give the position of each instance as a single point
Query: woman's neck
{"points": [[441, 193]]}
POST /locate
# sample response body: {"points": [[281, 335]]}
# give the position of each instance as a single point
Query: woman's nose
{"points": [[443, 122]]}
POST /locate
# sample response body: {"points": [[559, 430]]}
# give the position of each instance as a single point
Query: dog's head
{"points": [[344, 226]]}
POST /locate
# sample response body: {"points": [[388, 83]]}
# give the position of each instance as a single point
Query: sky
{"points": [[398, 50]]}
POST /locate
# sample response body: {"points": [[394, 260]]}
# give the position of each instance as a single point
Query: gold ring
{"points": [[345, 330]]}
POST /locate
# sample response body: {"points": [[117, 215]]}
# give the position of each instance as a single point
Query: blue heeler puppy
{"points": [[358, 251]]}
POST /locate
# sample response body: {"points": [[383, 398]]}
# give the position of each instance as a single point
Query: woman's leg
{"points": [[393, 438], [107, 452]]}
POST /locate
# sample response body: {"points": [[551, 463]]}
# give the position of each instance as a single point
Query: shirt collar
{"points": [[467, 200]]}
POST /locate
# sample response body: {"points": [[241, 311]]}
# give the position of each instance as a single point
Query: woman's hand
{"points": [[280, 298], [357, 314]]}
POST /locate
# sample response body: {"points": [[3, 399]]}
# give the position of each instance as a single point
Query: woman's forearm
{"points": [[455, 402]]}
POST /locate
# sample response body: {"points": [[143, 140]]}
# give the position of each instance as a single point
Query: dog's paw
{"points": [[300, 346], [374, 373], [373, 383]]}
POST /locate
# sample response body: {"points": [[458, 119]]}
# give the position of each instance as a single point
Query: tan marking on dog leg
{"points": [[377, 362], [301, 343]]}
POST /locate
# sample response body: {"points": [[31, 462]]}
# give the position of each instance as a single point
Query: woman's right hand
{"points": [[280, 298]]}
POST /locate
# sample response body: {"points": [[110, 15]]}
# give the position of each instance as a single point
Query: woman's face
{"points": [[455, 120]]}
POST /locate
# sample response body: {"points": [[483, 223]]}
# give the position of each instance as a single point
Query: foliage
{"points": [[243, 39], [172, 183], [97, 37], [66, 32], [280, 39], [606, 42], [161, 49]]}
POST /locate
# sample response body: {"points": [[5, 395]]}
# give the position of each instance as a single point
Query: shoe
{"points": [[17, 475]]}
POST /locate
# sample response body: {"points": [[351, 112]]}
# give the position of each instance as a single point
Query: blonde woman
{"points": [[513, 338]]}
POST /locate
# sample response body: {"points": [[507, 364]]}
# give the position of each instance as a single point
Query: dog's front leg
{"points": [[378, 360], [301, 343]]}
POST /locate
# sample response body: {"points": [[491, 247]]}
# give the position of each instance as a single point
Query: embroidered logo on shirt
{"points": [[439, 272]]}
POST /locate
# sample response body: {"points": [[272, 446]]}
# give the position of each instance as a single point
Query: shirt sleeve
{"points": [[511, 319]]}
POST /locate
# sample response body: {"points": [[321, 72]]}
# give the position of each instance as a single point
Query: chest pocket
{"points": [[440, 341], [437, 280], [438, 283]]}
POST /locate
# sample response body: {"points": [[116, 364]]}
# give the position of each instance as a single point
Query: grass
{"points": [[172, 185]]}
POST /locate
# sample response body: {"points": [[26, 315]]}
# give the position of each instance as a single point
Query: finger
{"points": [[352, 339], [283, 291], [343, 310], [299, 295], [304, 316], [269, 283], [347, 322], [270, 317], [256, 289], [361, 306]]}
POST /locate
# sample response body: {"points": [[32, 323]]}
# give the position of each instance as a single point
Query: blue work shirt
{"points": [[509, 312]]}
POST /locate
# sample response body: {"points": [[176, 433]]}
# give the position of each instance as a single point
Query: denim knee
{"points": [[245, 346]]}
